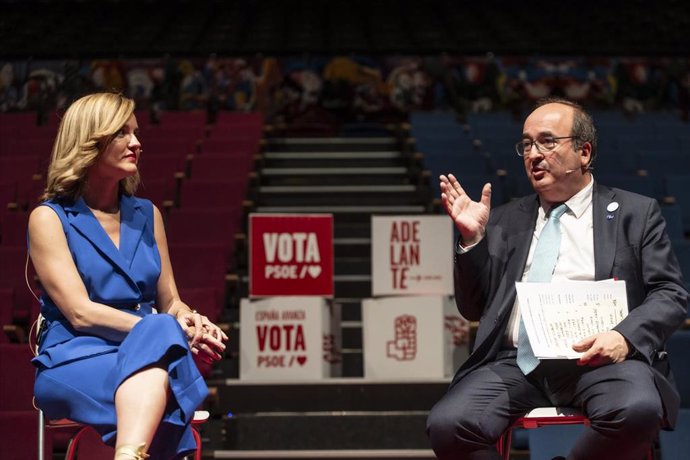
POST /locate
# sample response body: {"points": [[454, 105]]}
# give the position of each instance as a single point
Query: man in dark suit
{"points": [[620, 381]]}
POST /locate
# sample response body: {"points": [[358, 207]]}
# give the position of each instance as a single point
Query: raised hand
{"points": [[470, 217]]}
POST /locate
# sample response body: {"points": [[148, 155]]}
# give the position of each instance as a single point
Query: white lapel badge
{"points": [[611, 208]]}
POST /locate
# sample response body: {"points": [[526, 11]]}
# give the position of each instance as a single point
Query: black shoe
{"points": [[558, 458]]}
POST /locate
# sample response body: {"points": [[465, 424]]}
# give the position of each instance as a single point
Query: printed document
{"points": [[558, 314]]}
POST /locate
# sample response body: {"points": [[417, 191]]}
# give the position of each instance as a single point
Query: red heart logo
{"points": [[301, 360]]}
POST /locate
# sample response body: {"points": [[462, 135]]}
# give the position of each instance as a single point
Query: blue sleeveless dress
{"points": [[77, 373]]}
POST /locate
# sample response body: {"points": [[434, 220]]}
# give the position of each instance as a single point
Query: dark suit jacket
{"points": [[631, 246]]}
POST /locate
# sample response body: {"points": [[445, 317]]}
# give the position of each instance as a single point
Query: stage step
{"points": [[332, 144], [360, 214], [360, 454], [336, 414], [332, 159], [327, 430], [333, 394], [331, 195]]}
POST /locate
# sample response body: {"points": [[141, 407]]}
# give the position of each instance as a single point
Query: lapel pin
{"points": [[609, 216], [612, 206]]}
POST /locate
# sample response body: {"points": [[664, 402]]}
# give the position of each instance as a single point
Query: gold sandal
{"points": [[131, 452]]}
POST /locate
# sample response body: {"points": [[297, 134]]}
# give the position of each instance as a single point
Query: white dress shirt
{"points": [[575, 256]]}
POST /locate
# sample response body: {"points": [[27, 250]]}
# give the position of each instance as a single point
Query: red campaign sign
{"points": [[290, 254]]}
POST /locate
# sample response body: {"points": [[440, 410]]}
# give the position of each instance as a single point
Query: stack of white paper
{"points": [[558, 314]]}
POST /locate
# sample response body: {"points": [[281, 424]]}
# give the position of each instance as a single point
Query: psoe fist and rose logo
{"points": [[291, 255]]}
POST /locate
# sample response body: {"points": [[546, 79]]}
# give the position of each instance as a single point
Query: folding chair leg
{"points": [[197, 438], [73, 446], [41, 434]]}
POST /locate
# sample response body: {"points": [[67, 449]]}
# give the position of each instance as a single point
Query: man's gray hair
{"points": [[583, 125]]}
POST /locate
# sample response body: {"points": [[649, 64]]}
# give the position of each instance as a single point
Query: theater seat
{"points": [[200, 266], [202, 194], [18, 418], [204, 300], [13, 226], [221, 167], [205, 226], [6, 311], [161, 192], [12, 276]]}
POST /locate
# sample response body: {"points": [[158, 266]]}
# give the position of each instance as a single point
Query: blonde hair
{"points": [[87, 127]]}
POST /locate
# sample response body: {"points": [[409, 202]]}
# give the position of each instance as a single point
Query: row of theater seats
{"points": [[197, 174], [24, 153], [17, 414]]}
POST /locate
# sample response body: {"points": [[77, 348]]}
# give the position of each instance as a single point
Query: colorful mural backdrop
{"points": [[351, 87]]}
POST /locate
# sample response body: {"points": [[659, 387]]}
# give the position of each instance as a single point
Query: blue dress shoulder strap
{"points": [[60, 211]]}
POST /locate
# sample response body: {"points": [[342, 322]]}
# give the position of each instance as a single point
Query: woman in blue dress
{"points": [[101, 254]]}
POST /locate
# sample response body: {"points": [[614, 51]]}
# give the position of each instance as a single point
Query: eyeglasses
{"points": [[544, 144]]}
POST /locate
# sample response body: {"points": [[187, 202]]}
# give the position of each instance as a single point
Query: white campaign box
{"points": [[413, 337], [411, 255], [287, 338]]}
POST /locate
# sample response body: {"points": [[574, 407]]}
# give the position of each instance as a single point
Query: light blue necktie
{"points": [[543, 263]]}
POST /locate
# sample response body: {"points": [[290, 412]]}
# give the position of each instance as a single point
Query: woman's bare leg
{"points": [[139, 403]]}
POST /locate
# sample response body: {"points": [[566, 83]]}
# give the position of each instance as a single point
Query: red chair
{"points": [[544, 416], [86, 443]]}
